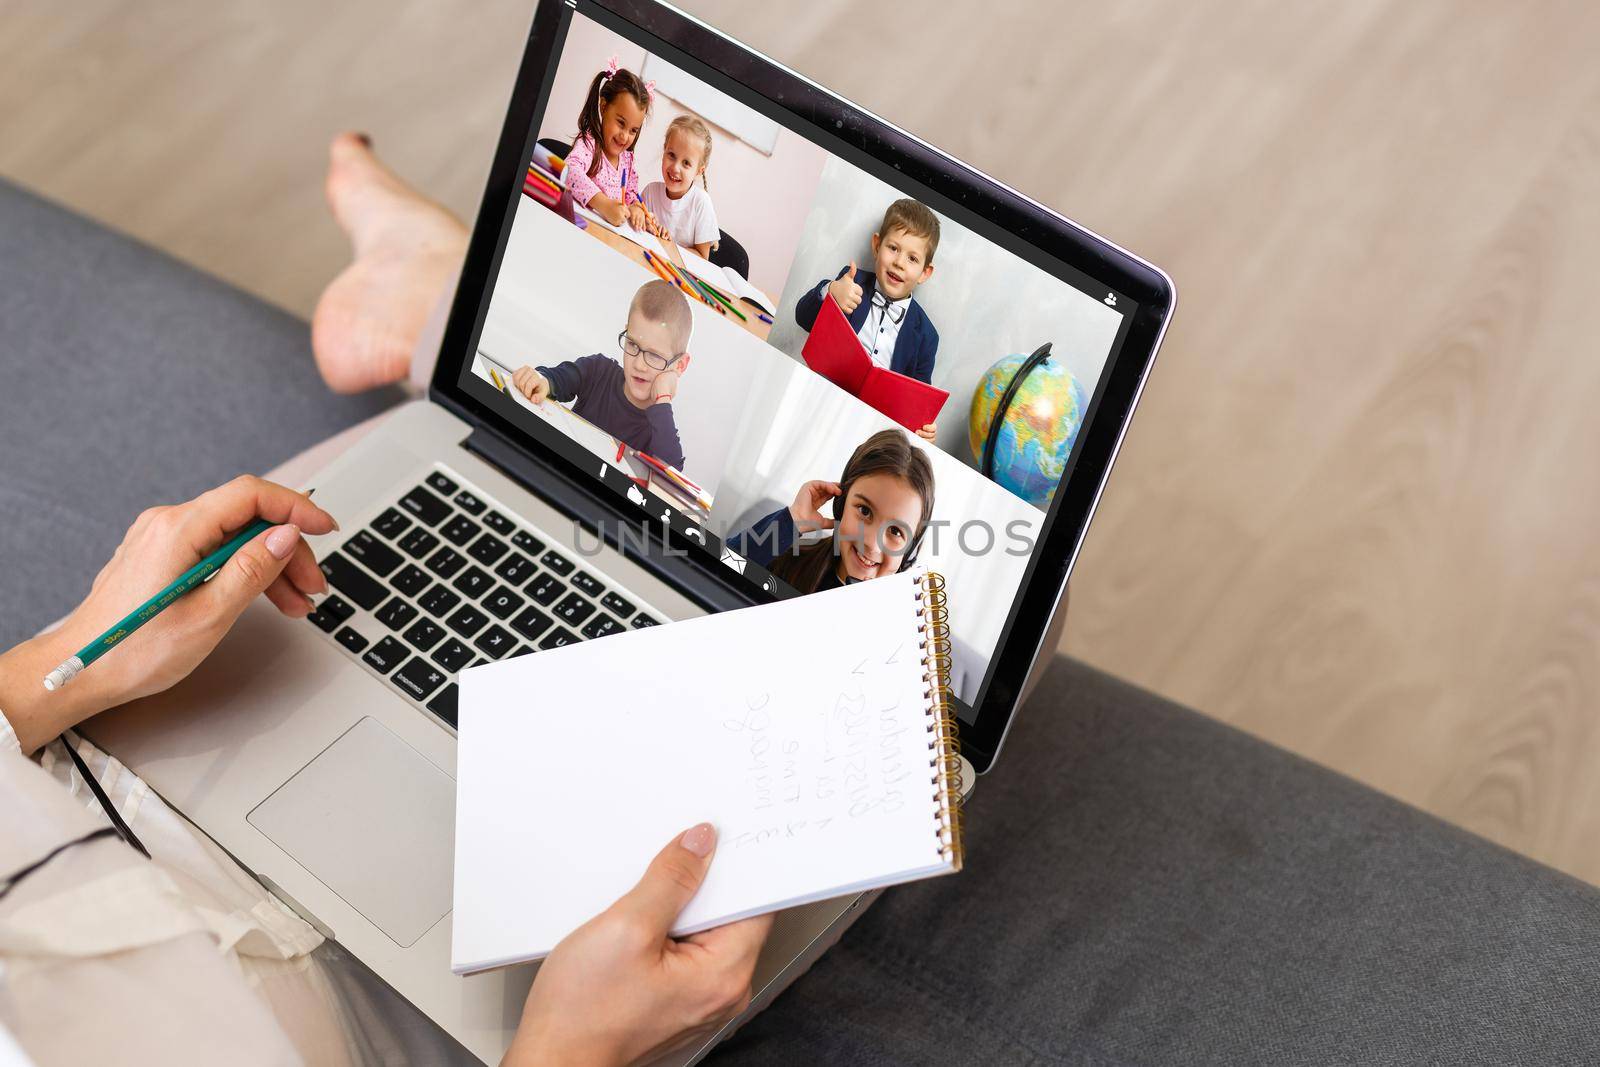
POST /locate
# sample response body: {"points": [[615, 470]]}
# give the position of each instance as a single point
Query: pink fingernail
{"points": [[282, 539], [699, 839]]}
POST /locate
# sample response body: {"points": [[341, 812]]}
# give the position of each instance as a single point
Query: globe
{"points": [[1037, 430]]}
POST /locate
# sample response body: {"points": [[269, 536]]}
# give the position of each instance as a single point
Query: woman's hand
{"points": [[619, 990], [807, 507], [163, 543]]}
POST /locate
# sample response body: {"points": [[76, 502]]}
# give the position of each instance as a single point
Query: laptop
{"points": [[321, 753]]}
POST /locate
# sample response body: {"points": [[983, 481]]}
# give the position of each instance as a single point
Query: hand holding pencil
{"points": [[163, 544]]}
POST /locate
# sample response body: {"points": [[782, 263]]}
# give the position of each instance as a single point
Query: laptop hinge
{"points": [[594, 513]]}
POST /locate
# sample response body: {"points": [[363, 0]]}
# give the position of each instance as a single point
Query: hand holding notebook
{"points": [[814, 733]]}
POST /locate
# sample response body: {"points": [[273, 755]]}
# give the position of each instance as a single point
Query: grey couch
{"points": [[1144, 885]]}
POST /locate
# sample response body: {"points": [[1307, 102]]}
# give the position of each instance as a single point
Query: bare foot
{"points": [[407, 249]]}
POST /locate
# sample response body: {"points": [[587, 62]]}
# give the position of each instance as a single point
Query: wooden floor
{"points": [[1356, 514]]}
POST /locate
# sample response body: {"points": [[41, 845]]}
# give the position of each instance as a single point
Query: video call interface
{"points": [[799, 366]]}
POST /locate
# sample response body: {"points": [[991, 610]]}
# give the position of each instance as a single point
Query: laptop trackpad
{"points": [[374, 820]]}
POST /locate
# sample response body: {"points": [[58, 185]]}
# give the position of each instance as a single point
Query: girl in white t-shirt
{"points": [[682, 211]]}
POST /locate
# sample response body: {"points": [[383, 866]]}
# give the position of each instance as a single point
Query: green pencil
{"points": [[724, 299], [152, 607], [719, 296]]}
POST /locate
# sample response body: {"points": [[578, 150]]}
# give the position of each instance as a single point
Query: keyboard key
{"points": [[642, 620], [587, 583], [379, 557], [330, 613], [495, 642], [546, 588], [336, 607], [527, 542], [412, 580], [574, 609], [558, 637], [474, 582], [502, 603], [460, 530], [444, 705], [487, 549], [480, 661], [469, 503], [499, 524], [602, 626], [522, 650], [531, 623], [441, 483], [424, 635], [353, 582], [419, 543], [557, 562], [439, 601], [516, 568], [419, 678], [391, 523], [452, 655], [351, 640], [467, 621], [428, 508], [616, 605], [386, 655], [446, 562], [396, 614]]}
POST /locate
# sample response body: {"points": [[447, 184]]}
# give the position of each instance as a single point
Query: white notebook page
{"points": [[799, 729]]}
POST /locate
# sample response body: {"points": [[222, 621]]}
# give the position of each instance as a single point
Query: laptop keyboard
{"points": [[440, 581]]}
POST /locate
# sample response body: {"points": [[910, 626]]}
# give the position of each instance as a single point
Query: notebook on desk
{"points": [[834, 351], [814, 733], [726, 279]]}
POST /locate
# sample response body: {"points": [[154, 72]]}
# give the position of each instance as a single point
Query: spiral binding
{"points": [[944, 746]]}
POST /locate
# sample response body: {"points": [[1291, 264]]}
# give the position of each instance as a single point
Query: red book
{"points": [[834, 351]]}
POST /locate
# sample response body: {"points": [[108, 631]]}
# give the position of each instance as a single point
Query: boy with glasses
{"points": [[631, 401]]}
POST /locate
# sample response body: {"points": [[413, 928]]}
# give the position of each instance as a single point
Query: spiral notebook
{"points": [[815, 733]]}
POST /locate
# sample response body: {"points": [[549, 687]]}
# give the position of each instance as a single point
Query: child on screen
{"points": [[682, 210], [630, 400], [879, 304], [880, 507], [600, 169]]}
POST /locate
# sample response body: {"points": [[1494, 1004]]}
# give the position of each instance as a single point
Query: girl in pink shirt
{"points": [[600, 169]]}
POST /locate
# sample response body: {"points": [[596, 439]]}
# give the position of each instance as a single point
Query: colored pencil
{"points": [[674, 480], [674, 277], [710, 289], [540, 176], [764, 317], [718, 304], [687, 281], [650, 261]]}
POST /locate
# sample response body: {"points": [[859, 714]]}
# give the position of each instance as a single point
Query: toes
{"points": [[357, 180]]}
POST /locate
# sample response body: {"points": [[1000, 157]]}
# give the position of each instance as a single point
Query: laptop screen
{"points": [[812, 366]]}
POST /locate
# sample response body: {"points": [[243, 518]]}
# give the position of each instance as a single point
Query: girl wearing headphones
{"points": [[881, 506]]}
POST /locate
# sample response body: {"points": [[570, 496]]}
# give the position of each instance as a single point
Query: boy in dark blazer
{"points": [[879, 306]]}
